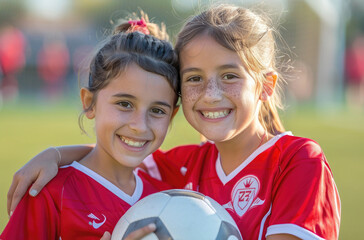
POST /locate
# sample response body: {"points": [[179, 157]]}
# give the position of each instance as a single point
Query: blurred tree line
{"points": [[86, 22], [10, 11], [102, 13], [82, 25], [99, 14]]}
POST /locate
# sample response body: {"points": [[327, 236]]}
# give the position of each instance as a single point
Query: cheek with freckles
{"points": [[191, 93], [234, 91]]}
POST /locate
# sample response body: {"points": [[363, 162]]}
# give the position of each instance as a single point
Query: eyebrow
{"points": [[225, 66], [189, 70], [163, 104], [125, 95], [231, 65]]}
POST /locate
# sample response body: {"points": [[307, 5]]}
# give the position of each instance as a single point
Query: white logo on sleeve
{"points": [[244, 195], [95, 224], [183, 171]]}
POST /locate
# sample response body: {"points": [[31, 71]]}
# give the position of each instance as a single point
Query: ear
{"points": [[268, 86], [175, 110], [86, 98]]}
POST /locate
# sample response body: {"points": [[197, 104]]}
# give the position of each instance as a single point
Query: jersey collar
{"points": [[110, 186], [226, 178]]}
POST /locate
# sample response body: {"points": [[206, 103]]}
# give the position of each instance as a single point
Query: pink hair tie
{"points": [[140, 26]]}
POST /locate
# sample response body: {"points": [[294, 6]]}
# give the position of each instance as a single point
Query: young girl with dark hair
{"points": [[88, 197]]}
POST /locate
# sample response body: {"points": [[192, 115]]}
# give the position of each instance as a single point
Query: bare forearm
{"points": [[41, 169], [71, 153]]}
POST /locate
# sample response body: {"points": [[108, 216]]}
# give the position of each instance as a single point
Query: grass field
{"points": [[25, 130]]}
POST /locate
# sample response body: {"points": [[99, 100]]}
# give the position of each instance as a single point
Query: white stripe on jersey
{"points": [[262, 223], [110, 186], [293, 230]]}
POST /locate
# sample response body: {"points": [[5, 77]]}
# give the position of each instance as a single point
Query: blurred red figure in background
{"points": [[354, 66], [53, 62], [12, 60]]}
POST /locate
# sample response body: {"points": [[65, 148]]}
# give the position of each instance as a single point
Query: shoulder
{"points": [[189, 149], [65, 175], [293, 146], [302, 152]]}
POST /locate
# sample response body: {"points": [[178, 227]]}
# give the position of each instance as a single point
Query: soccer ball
{"points": [[178, 214]]}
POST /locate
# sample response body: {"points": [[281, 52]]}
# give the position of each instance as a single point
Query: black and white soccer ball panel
{"points": [[179, 214]]}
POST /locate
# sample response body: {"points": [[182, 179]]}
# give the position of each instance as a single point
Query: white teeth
{"points": [[213, 115], [132, 143]]}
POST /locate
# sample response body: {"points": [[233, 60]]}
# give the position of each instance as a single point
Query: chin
{"points": [[131, 163], [216, 137]]}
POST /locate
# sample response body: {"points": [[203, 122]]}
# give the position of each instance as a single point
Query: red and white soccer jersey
{"points": [[284, 187], [77, 204]]}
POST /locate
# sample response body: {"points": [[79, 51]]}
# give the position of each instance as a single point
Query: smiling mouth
{"points": [[132, 143], [215, 115]]}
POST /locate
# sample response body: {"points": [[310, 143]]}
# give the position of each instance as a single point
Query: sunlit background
{"points": [[45, 46]]}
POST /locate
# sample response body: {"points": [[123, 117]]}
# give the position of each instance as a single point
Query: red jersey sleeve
{"points": [[305, 200], [171, 164], [177, 165], [33, 218]]}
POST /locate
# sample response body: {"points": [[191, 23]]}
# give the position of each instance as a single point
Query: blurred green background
{"points": [[324, 95], [27, 129]]}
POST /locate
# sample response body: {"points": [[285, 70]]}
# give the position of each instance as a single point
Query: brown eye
{"points": [[194, 79], [229, 76], [125, 104], [158, 111]]}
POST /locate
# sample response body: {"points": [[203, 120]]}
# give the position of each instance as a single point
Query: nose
{"points": [[213, 91], [139, 121]]}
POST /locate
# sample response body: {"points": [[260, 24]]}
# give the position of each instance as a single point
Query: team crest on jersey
{"points": [[244, 195]]}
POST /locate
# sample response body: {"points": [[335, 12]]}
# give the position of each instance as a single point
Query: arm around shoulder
{"points": [[41, 169]]}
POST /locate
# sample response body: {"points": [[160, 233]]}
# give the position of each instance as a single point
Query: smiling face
{"points": [[218, 95], [132, 114]]}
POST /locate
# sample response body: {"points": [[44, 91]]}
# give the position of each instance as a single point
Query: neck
{"points": [[235, 151], [104, 165]]}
